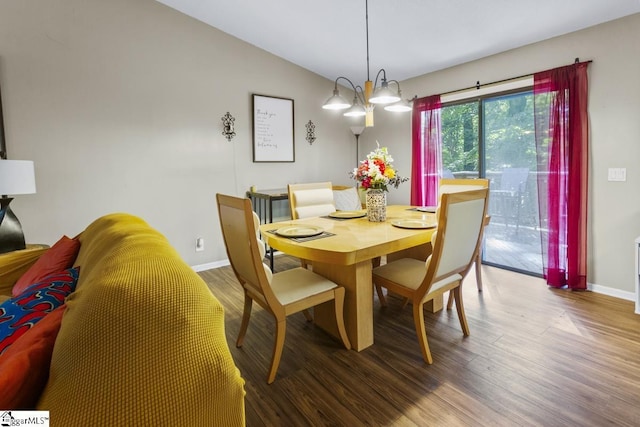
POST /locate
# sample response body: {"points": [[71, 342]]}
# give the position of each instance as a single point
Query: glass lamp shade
{"points": [[399, 107], [384, 95], [356, 110], [336, 102], [357, 130], [17, 177]]}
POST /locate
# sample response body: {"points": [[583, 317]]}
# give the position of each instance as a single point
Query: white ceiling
{"points": [[406, 37]]}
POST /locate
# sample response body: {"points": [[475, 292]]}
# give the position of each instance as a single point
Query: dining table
{"points": [[345, 247]]}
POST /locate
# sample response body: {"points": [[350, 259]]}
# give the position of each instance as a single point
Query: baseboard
{"points": [[218, 264], [612, 292], [210, 265]]}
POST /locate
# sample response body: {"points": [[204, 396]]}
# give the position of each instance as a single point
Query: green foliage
{"points": [[508, 128]]}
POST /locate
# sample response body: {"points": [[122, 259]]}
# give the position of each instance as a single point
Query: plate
{"points": [[348, 214], [431, 209], [299, 231], [414, 223]]}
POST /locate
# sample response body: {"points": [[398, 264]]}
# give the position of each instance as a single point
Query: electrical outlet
{"points": [[199, 244]]}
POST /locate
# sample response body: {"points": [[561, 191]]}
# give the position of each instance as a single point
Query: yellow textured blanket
{"points": [[142, 341]]}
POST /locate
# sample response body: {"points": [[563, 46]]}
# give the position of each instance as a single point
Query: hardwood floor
{"points": [[535, 357]]}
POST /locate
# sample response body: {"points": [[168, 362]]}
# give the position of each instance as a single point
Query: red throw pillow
{"points": [[59, 257], [24, 367]]}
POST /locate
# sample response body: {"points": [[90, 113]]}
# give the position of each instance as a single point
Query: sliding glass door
{"points": [[493, 137]]}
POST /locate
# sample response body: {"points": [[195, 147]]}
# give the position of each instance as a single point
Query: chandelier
{"points": [[364, 100]]}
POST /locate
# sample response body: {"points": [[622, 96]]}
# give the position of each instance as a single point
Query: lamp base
{"points": [[11, 235]]}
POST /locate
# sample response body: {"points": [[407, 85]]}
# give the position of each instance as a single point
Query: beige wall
{"points": [[119, 105], [614, 109]]}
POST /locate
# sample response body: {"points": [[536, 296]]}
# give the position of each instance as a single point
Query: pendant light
{"points": [[366, 99]]}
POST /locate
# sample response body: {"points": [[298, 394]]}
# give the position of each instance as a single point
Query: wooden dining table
{"points": [[346, 252]]}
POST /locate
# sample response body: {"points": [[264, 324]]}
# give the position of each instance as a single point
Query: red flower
{"points": [[380, 164]]}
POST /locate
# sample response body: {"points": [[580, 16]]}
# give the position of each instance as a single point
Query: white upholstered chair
{"points": [[454, 247], [308, 200], [280, 294], [451, 185], [311, 199]]}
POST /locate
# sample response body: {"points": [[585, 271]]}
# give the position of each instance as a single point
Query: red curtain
{"points": [[561, 123], [426, 162]]}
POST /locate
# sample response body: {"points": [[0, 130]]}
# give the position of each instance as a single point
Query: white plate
{"points": [[348, 214], [431, 209], [414, 223], [299, 231]]}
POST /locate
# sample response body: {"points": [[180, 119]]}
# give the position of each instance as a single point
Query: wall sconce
{"points": [[227, 126], [311, 132]]}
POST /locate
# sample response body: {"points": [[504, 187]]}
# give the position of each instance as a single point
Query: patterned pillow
{"points": [[347, 200], [20, 313]]}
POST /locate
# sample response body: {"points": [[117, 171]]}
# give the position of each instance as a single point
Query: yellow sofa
{"points": [[142, 340], [14, 264]]}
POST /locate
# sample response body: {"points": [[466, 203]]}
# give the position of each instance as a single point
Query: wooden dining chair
{"points": [[281, 294], [453, 185], [311, 199], [455, 245]]}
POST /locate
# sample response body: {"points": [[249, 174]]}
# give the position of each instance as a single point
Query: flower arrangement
{"points": [[377, 172]]}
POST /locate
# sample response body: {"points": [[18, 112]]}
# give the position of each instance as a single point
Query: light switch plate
{"points": [[617, 174]]}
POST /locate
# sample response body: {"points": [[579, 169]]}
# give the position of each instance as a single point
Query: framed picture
{"points": [[273, 136]]}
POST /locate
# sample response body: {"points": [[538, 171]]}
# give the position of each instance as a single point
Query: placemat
{"points": [[305, 239], [336, 219], [423, 211]]}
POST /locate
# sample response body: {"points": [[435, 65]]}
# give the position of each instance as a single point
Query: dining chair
{"points": [[308, 200], [452, 185], [455, 245], [509, 198], [281, 294]]}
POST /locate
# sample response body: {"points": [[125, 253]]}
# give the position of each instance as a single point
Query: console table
{"points": [[262, 202]]}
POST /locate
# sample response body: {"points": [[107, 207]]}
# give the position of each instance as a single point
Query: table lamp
{"points": [[16, 177]]}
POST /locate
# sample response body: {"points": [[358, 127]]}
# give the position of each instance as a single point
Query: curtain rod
{"points": [[478, 85]]}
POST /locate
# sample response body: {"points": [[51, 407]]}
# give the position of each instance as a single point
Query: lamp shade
{"points": [[17, 177], [336, 102], [356, 110], [384, 95], [399, 107]]}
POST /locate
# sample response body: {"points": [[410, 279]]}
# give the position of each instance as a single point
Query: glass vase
{"points": [[376, 205]]}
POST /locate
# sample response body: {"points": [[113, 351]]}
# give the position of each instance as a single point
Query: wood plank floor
{"points": [[535, 357]]}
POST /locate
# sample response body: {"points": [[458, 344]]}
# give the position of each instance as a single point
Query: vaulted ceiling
{"points": [[406, 37]]}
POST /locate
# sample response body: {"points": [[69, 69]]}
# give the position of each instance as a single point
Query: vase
{"points": [[376, 205]]}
